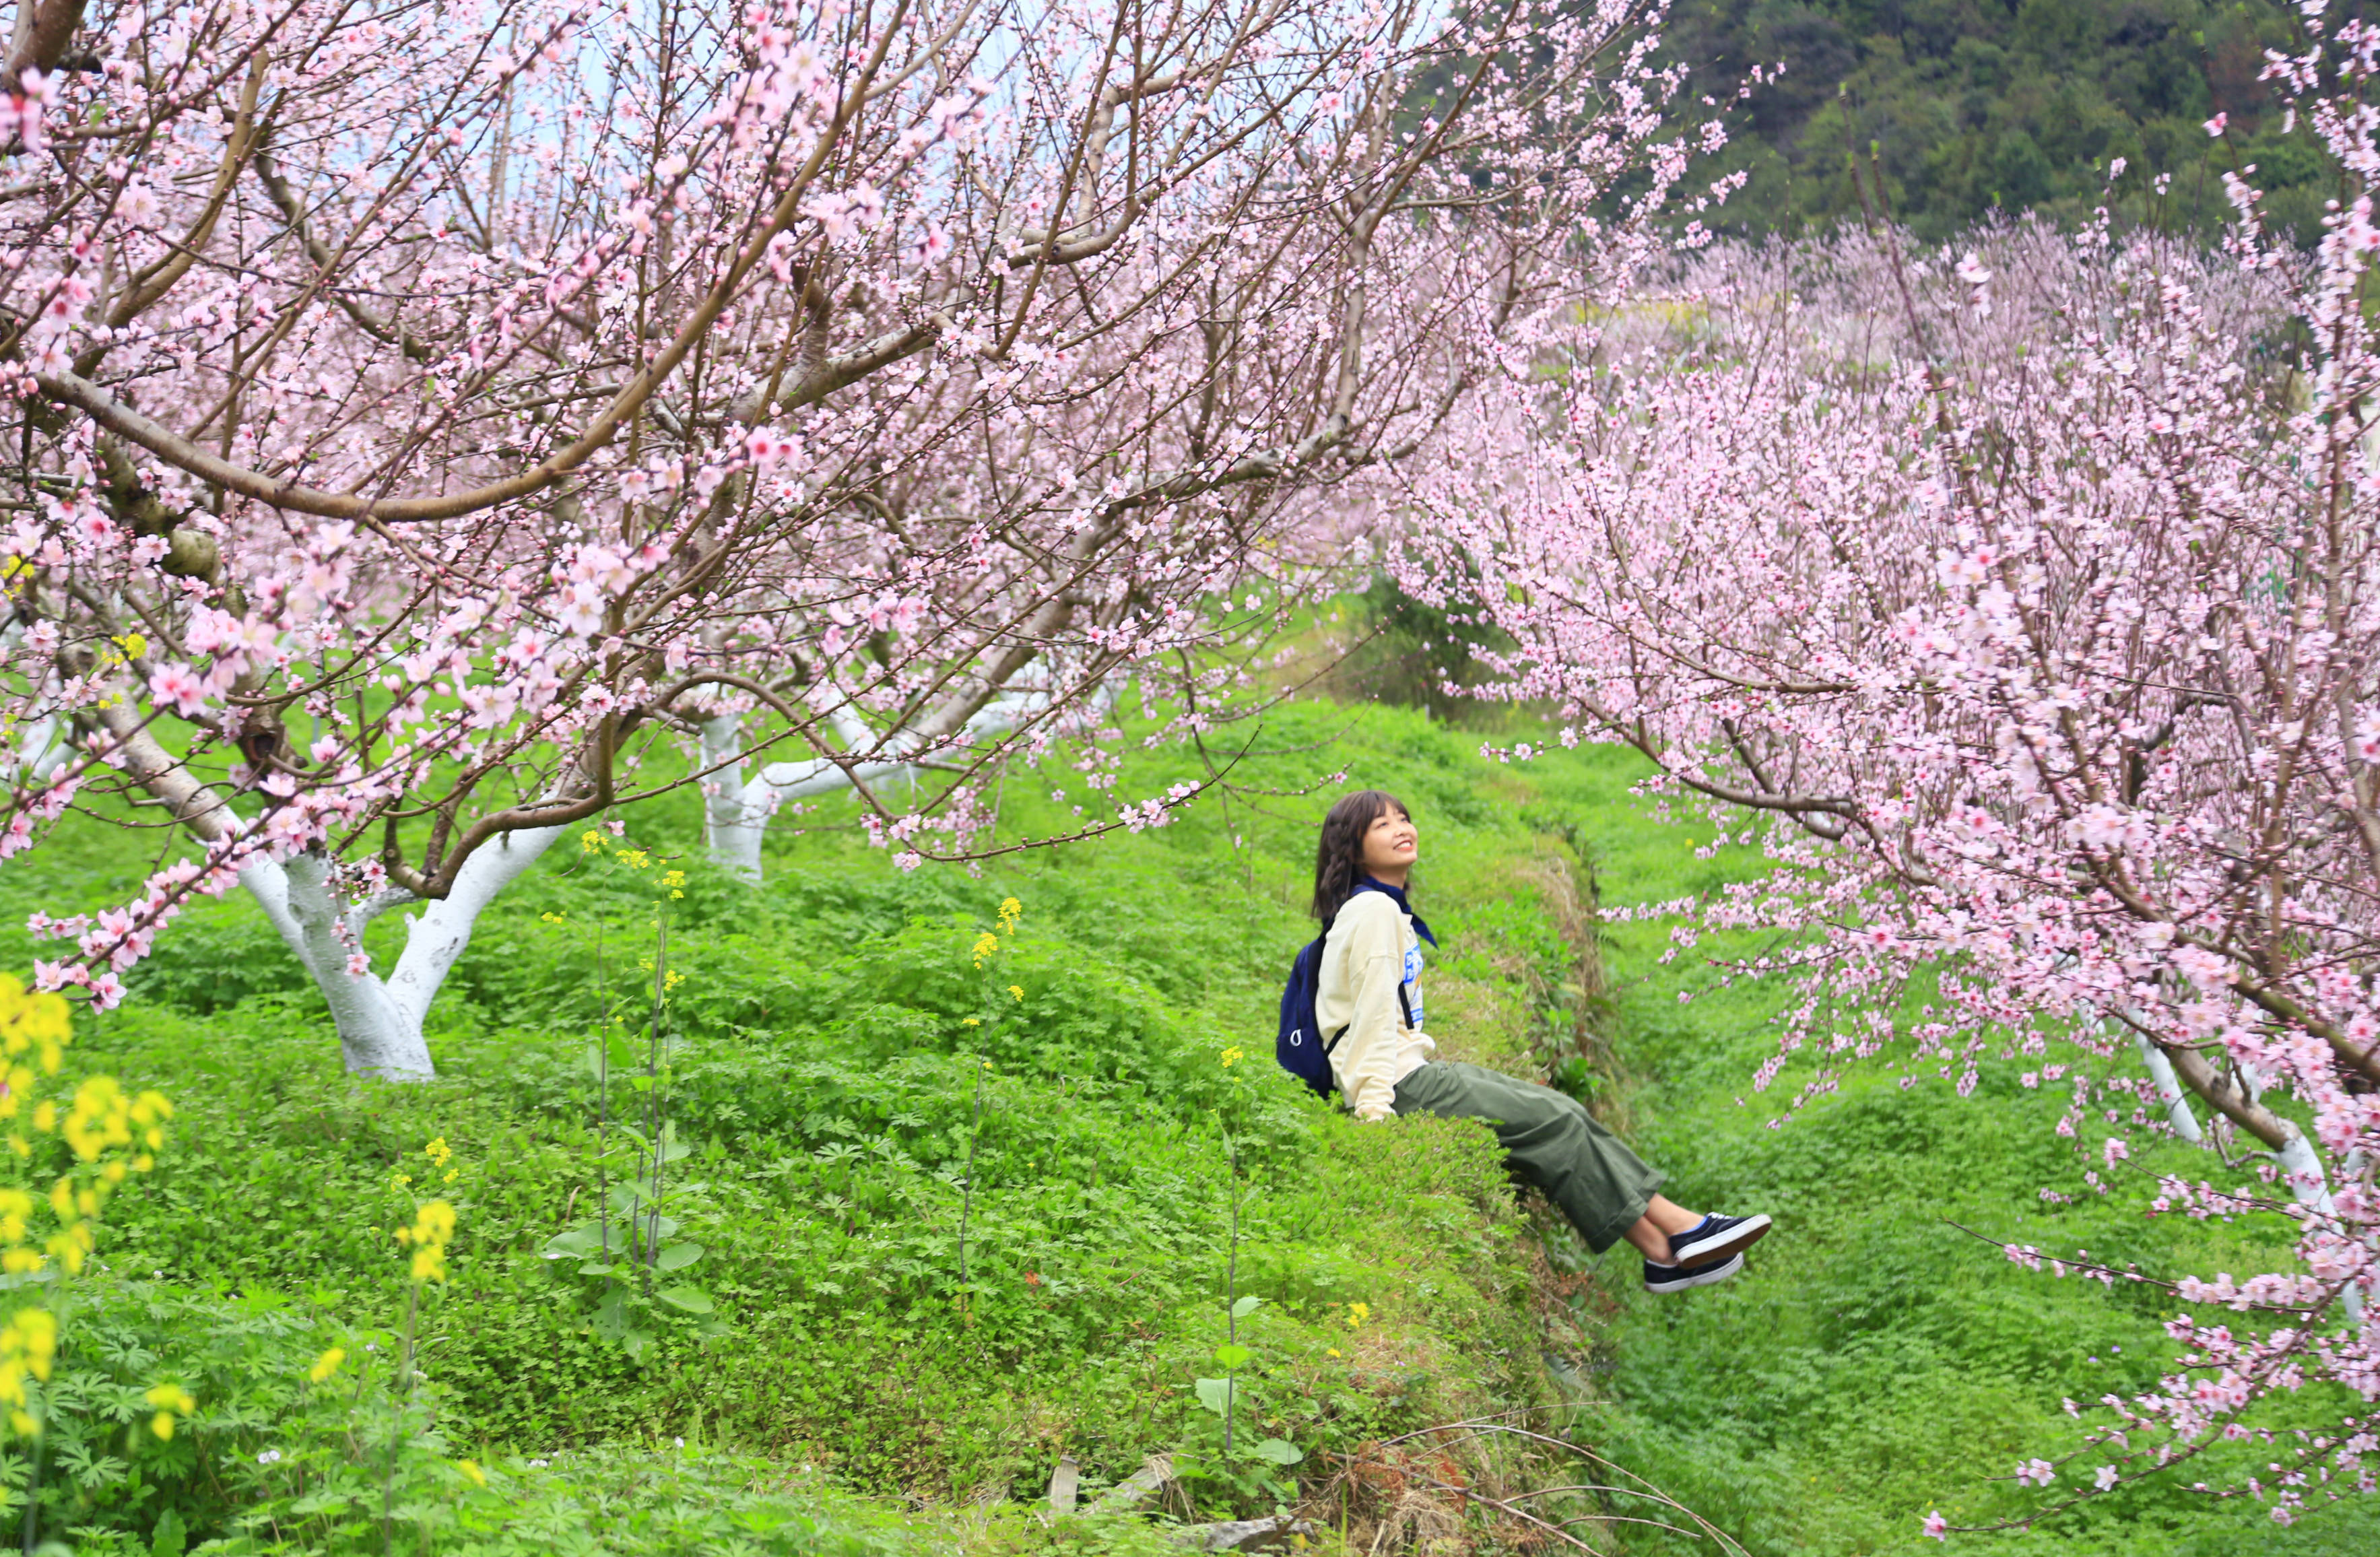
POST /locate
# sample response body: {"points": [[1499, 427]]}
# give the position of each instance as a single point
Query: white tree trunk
{"points": [[736, 812], [2240, 1098], [2311, 1187], [380, 1021], [43, 751], [2169, 1088]]}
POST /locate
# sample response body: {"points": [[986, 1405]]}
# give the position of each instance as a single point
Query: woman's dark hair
{"points": [[1340, 859]]}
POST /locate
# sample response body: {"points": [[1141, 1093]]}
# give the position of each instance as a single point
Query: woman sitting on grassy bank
{"points": [[1368, 1002]]}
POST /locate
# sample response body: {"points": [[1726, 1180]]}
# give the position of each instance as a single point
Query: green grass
{"points": [[823, 1073], [852, 1394], [1876, 1362]]}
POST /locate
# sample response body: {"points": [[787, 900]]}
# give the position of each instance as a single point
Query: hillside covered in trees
{"points": [[1977, 105]]}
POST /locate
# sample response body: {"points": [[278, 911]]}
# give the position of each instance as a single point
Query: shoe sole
{"points": [[1733, 1264], [1736, 1241]]}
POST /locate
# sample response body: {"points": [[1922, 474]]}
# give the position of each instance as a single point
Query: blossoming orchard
{"points": [[2020, 602], [863, 471], [428, 413]]}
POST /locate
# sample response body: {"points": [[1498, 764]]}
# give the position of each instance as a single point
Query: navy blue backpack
{"points": [[1300, 1047]]}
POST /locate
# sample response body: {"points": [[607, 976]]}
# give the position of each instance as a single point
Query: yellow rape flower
{"points": [[1233, 1055], [1357, 1313], [590, 842], [1011, 911], [673, 878], [1016, 991], [170, 1400], [327, 1364], [28, 1344], [432, 1226], [438, 1151], [101, 1118], [551, 917], [985, 944], [72, 1246], [472, 1473]]}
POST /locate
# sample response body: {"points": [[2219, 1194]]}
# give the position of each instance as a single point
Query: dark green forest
{"points": [[1969, 107]]}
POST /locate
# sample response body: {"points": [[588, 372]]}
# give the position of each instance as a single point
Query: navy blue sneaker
{"points": [[1678, 1278], [1715, 1237]]}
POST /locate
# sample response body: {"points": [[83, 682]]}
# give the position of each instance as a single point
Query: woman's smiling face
{"points": [[1391, 844]]}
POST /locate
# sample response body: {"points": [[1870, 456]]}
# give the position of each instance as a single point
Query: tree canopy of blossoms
{"points": [[434, 426], [2024, 605]]}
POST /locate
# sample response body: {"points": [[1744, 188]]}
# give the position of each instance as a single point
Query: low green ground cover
{"points": [[1877, 1361], [851, 1392], [840, 1048]]}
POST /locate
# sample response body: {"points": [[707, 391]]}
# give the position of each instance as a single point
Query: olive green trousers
{"points": [[1550, 1140]]}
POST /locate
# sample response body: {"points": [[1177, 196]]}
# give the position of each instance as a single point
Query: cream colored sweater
{"points": [[1370, 949]]}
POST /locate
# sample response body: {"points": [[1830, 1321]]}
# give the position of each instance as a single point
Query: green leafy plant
{"points": [[1238, 1465], [629, 1248]]}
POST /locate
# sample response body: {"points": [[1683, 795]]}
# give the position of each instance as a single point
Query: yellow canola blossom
{"points": [[433, 1225], [326, 1365], [103, 1116], [985, 944], [1233, 1057], [1011, 911], [28, 1345], [111, 1135], [72, 1245], [171, 1400], [471, 1472], [34, 1022], [1016, 991]]}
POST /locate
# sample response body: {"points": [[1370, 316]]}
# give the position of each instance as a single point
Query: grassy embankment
{"points": [[1872, 1364]]}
